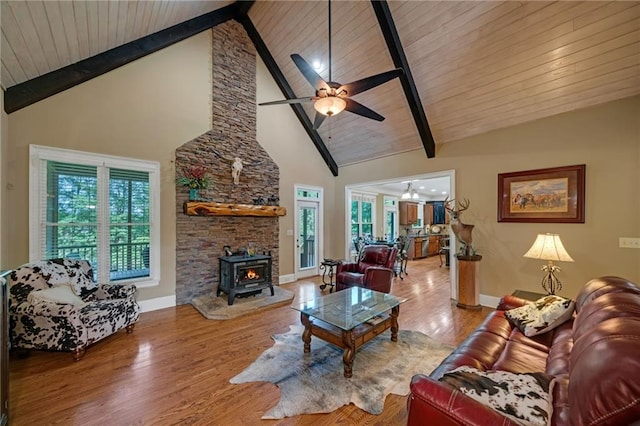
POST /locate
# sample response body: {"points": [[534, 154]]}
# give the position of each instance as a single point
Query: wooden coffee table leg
{"points": [[349, 353], [395, 311], [306, 334]]}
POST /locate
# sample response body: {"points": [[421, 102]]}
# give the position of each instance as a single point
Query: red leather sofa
{"points": [[373, 270], [594, 358]]}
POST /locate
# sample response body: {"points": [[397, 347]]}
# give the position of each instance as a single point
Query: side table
{"points": [[528, 295], [328, 268]]}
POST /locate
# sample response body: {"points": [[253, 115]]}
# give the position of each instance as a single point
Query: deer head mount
{"points": [[461, 230]]}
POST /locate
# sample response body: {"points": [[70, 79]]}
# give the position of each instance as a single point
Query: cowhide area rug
{"points": [[314, 383]]}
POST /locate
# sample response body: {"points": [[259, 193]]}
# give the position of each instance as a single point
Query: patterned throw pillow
{"points": [[542, 315], [76, 273], [524, 398], [80, 277], [57, 294]]}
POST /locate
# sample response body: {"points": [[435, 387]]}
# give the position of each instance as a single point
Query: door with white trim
{"points": [[308, 231]]}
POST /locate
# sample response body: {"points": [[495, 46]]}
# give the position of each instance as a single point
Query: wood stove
{"points": [[244, 276]]}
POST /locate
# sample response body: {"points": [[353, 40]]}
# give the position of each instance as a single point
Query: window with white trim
{"points": [[96, 207], [362, 214]]}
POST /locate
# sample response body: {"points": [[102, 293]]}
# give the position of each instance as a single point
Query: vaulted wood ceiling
{"points": [[476, 66]]}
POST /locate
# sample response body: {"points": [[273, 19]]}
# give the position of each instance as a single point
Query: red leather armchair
{"points": [[373, 270]]}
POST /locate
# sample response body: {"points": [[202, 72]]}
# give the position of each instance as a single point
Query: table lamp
{"points": [[549, 247]]}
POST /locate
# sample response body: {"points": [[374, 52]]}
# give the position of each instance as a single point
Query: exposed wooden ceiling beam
{"points": [[39, 88], [287, 91], [242, 7], [388, 27]]}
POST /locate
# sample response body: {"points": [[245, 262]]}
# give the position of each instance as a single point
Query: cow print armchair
{"points": [[56, 305]]}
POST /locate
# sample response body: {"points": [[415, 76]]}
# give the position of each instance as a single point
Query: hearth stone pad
{"points": [[212, 307]]}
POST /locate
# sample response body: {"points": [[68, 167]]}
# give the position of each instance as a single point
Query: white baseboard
{"points": [[283, 279], [157, 303], [489, 301]]}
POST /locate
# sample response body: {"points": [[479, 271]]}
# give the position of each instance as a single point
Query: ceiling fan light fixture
{"points": [[330, 105]]}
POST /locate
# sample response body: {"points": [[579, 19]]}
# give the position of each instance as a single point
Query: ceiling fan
{"points": [[331, 97]]}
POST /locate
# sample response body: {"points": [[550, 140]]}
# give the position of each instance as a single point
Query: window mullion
{"points": [[103, 235]]}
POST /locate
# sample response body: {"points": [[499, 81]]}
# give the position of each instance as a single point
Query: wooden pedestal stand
{"points": [[468, 282]]}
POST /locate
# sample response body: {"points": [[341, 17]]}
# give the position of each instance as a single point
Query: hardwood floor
{"points": [[176, 365]]}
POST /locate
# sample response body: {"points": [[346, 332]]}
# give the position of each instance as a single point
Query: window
{"points": [[96, 207], [362, 207]]}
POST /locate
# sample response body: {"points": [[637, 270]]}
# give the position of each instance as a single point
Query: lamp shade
{"points": [[330, 105], [548, 247]]}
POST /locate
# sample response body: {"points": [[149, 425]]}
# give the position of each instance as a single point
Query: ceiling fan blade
{"points": [[289, 101], [358, 108], [309, 73], [318, 120], [360, 86]]}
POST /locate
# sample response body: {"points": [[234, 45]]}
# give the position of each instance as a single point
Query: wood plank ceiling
{"points": [[477, 66]]}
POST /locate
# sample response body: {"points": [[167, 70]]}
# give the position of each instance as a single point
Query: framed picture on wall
{"points": [[554, 195]]}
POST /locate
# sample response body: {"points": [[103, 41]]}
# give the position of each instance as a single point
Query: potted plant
{"points": [[195, 178]]}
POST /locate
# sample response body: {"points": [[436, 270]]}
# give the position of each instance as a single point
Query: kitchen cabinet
{"points": [[439, 215], [428, 213], [434, 245], [408, 212], [434, 213], [418, 248], [411, 251]]}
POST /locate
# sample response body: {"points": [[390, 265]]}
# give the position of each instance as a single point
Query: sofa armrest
{"points": [[115, 291], [510, 302], [347, 267], [378, 278], [48, 309], [435, 403]]}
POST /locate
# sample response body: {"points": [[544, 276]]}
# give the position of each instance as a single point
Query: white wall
{"points": [[4, 142]]}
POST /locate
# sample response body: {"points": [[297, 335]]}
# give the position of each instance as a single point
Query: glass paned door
{"points": [[307, 241], [390, 225]]}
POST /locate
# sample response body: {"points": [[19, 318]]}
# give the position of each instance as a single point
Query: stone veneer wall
{"points": [[200, 240]]}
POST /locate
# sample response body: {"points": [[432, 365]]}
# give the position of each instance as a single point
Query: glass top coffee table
{"points": [[348, 319]]}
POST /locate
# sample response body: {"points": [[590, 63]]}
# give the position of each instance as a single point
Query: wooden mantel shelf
{"points": [[205, 208]]}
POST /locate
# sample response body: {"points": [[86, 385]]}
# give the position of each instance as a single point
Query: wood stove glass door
{"points": [[307, 241]]}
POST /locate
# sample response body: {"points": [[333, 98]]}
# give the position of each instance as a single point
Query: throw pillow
{"points": [[542, 315], [524, 398], [58, 294], [80, 276]]}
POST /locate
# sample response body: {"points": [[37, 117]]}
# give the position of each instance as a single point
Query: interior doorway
{"points": [[445, 181]]}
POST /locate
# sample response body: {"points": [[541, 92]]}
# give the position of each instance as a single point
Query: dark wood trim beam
{"points": [[287, 91], [242, 7], [39, 88], [388, 27]]}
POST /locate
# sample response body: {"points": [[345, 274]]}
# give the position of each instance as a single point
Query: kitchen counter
{"points": [[425, 245]]}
